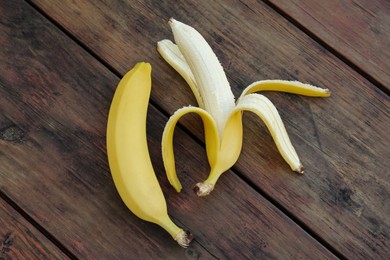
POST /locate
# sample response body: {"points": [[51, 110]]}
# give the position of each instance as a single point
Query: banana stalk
{"points": [[128, 153], [194, 60]]}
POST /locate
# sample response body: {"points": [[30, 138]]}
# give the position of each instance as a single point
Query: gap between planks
{"points": [[37, 226], [325, 45]]}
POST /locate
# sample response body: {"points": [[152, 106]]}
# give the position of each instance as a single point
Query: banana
{"points": [[195, 61], [128, 153]]}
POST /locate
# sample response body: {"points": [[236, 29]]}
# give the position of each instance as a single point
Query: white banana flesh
{"points": [[215, 91], [195, 61], [128, 153]]}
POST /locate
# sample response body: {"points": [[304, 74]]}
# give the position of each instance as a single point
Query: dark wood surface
{"points": [[60, 63], [357, 31], [21, 240]]}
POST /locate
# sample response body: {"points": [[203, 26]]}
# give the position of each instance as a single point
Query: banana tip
{"points": [[171, 20], [184, 238], [203, 189], [300, 169]]}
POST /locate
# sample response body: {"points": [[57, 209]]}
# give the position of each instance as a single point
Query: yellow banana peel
{"points": [[128, 153], [194, 60]]}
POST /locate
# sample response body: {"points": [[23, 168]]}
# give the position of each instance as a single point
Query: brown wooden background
{"points": [[60, 62]]}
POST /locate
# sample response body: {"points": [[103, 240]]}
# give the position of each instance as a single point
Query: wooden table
{"points": [[60, 62]]}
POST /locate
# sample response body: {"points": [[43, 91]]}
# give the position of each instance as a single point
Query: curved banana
{"points": [[128, 153], [195, 61]]}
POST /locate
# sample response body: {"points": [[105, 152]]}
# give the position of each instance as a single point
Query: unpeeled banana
{"points": [[128, 153], [194, 60]]}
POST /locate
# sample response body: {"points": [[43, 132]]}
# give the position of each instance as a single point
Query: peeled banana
{"points": [[128, 153], [194, 60]]}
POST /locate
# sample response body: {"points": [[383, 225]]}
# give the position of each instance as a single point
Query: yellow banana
{"points": [[128, 153], [195, 61]]}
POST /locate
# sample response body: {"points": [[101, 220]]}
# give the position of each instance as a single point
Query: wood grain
{"points": [[54, 101], [358, 29], [342, 140], [20, 240]]}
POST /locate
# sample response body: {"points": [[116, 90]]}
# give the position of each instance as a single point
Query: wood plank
{"points": [[20, 240], [342, 140], [358, 29], [53, 119]]}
